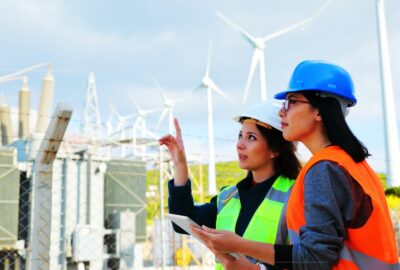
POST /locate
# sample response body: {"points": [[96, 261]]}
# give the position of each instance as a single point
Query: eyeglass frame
{"points": [[286, 103]]}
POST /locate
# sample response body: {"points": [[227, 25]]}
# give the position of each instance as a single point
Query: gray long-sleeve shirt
{"points": [[333, 202]]}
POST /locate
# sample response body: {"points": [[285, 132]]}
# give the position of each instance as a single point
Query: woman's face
{"points": [[298, 119], [253, 150]]}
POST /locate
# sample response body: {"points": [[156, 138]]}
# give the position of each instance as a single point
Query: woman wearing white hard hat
{"points": [[255, 207], [337, 214]]}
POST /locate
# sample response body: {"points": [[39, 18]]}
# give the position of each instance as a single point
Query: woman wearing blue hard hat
{"points": [[337, 214]]}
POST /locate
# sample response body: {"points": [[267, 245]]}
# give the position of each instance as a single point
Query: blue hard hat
{"points": [[321, 76]]}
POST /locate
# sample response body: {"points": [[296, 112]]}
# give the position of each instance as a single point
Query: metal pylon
{"points": [[91, 113]]}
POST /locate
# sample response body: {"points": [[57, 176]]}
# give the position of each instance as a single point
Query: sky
{"points": [[129, 43]]}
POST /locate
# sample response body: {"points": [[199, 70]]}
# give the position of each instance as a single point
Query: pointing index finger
{"points": [[177, 128]]}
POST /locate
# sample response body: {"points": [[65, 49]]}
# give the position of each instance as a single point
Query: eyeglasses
{"points": [[290, 101]]}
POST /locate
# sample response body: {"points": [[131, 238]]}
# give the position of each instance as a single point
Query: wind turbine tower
{"points": [[389, 112], [91, 113], [208, 84], [110, 130], [259, 44], [121, 128]]}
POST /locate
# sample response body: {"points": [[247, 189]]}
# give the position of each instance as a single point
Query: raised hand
{"points": [[177, 151]]}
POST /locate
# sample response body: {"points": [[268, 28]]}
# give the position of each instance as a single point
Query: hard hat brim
{"points": [[282, 95]]}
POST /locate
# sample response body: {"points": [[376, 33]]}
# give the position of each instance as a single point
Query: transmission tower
{"points": [[91, 113]]}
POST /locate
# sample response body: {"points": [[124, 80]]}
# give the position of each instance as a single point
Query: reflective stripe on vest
{"points": [[369, 247], [268, 223]]}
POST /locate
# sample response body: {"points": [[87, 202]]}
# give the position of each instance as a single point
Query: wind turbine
{"points": [[140, 124], [208, 84], [121, 127], [169, 105], [259, 44]]}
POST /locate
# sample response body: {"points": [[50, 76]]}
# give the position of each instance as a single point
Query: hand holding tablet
{"points": [[183, 222]]}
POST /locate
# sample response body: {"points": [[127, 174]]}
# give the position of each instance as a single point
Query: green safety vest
{"points": [[268, 223]]}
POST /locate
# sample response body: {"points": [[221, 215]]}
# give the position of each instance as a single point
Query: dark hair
{"points": [[286, 163], [336, 127]]}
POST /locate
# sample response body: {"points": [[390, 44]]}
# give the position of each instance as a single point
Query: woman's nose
{"points": [[282, 112], [239, 144]]}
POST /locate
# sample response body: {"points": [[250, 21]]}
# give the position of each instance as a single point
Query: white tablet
{"points": [[183, 222]]}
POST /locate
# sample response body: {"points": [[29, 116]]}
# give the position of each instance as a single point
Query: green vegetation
{"points": [[382, 177], [227, 173], [392, 194], [393, 191]]}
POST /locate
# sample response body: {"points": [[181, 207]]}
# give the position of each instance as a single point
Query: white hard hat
{"points": [[265, 111]]}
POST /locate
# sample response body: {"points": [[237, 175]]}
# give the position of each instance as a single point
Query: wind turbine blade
{"points": [[215, 88], [254, 61], [134, 101], [287, 29], [183, 98], [302, 23], [161, 90], [321, 9], [151, 111], [208, 59], [244, 33], [199, 87], [186, 96], [129, 117], [162, 116]]}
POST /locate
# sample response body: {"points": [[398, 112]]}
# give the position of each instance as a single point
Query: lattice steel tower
{"points": [[91, 113]]}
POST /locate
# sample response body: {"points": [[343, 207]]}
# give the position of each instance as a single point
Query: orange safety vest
{"points": [[370, 247]]}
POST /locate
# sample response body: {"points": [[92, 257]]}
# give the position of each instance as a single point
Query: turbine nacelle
{"points": [[259, 43], [207, 82]]}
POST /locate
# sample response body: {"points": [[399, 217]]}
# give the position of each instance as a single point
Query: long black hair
{"points": [[286, 163], [336, 127]]}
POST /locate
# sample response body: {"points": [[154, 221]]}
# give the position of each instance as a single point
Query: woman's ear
{"points": [[318, 116], [274, 154]]}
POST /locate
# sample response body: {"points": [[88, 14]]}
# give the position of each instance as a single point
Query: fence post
{"points": [[40, 233]]}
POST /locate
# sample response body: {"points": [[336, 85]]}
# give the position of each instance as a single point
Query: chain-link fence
{"points": [[91, 215], [95, 213]]}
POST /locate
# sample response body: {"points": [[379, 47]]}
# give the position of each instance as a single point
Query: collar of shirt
{"points": [[247, 183]]}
